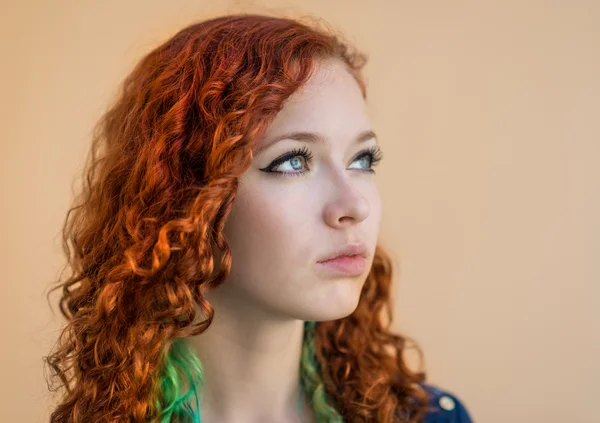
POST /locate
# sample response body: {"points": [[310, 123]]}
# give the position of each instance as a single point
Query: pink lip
{"points": [[345, 265], [359, 249]]}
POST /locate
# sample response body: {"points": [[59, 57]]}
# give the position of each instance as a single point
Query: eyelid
{"points": [[304, 152], [373, 151]]}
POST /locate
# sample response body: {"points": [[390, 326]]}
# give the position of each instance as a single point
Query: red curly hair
{"points": [[160, 181]]}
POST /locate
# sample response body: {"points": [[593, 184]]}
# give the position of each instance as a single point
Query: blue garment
{"points": [[446, 407]]}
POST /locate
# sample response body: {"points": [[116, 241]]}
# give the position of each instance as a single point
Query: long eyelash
{"points": [[374, 152], [303, 152]]}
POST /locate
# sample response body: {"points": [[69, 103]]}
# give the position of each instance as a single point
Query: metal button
{"points": [[447, 403]]}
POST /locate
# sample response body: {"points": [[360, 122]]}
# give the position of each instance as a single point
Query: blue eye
{"points": [[374, 155], [297, 156]]}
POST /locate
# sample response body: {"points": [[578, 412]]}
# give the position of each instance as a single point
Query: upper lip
{"points": [[347, 250]]}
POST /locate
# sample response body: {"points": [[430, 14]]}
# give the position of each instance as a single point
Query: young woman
{"points": [[224, 256]]}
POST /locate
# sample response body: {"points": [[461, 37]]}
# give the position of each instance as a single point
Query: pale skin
{"points": [[277, 230]]}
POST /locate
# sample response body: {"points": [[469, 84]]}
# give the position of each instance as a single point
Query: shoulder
{"points": [[444, 407]]}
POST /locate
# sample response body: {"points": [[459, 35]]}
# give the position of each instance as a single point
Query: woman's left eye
{"points": [[296, 157]]}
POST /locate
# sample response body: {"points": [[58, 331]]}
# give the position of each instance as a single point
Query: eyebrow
{"points": [[312, 137]]}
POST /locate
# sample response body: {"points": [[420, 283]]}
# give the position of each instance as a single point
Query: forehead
{"points": [[330, 103]]}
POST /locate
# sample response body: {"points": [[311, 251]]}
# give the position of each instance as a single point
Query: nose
{"points": [[346, 205]]}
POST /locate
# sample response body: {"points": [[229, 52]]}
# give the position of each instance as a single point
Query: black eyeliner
{"points": [[303, 152], [373, 152]]}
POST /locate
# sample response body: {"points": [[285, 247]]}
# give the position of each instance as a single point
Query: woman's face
{"points": [[289, 215]]}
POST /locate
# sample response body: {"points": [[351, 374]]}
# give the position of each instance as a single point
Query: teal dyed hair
{"points": [[182, 373], [145, 238], [311, 381], [180, 377]]}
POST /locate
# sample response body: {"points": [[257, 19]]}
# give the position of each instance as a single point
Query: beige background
{"points": [[488, 114]]}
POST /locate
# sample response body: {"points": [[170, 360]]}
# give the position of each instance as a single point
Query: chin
{"points": [[333, 310]]}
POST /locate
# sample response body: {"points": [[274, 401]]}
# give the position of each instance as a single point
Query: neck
{"points": [[251, 362]]}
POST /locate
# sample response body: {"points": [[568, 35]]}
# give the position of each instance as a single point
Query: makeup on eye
{"points": [[373, 154]]}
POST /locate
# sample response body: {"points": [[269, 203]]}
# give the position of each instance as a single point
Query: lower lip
{"points": [[345, 265]]}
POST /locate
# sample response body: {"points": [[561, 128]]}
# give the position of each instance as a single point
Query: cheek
{"points": [[263, 220], [267, 235], [371, 193], [272, 211], [376, 207]]}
